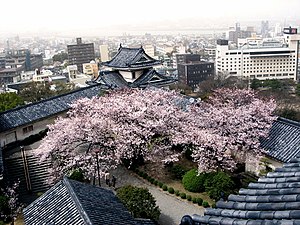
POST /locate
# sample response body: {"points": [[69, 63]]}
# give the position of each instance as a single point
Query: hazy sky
{"points": [[39, 15]]}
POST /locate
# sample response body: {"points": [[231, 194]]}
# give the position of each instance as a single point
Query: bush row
{"points": [[171, 190], [216, 184]]}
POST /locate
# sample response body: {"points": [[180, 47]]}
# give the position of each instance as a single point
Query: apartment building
{"points": [[268, 60], [80, 53]]}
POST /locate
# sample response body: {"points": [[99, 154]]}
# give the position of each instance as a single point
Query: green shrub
{"points": [[165, 187], [194, 182], [177, 193], [178, 171], [194, 200], [160, 184], [139, 202], [171, 190], [189, 198], [199, 201], [4, 206], [205, 204], [155, 182], [214, 205], [151, 179], [183, 195], [77, 174], [221, 182], [140, 173]]}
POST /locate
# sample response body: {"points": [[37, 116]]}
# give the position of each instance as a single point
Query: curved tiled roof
{"points": [[274, 199], [131, 58], [150, 77], [147, 79], [112, 79], [283, 142], [72, 202], [39, 110]]}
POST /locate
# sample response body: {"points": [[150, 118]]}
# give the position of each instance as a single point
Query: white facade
{"points": [[260, 62], [104, 53]]}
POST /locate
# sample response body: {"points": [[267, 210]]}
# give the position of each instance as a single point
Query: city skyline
{"points": [[95, 17]]}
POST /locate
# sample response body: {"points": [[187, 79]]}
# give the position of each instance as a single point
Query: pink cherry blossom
{"points": [[125, 123]]}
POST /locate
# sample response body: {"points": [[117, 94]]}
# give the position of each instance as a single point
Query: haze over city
{"points": [[116, 17]]}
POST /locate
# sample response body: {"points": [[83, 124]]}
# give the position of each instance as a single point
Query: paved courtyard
{"points": [[172, 208]]}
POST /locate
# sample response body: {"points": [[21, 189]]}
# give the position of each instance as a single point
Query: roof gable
{"points": [[56, 206], [131, 58], [152, 77], [112, 79]]}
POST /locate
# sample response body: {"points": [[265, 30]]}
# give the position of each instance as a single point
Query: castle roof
{"points": [[130, 59], [30, 113], [73, 202], [283, 142], [149, 77], [274, 199]]}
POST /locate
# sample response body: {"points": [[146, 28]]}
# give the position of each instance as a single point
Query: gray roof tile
{"points": [[283, 142], [131, 58], [73, 202], [39, 110], [274, 199]]}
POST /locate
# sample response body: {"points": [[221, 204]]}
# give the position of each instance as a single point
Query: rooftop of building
{"points": [[30, 113], [195, 63], [72, 202], [131, 58], [149, 77], [274, 199], [283, 142]]}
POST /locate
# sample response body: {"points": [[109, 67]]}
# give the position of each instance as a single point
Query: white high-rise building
{"points": [[104, 53], [269, 60]]}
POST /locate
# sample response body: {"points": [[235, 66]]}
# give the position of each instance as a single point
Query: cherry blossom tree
{"points": [[230, 126], [101, 131]]}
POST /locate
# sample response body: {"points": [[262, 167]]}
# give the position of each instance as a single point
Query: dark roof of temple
{"points": [[39, 110], [283, 142], [153, 78], [72, 202], [112, 80], [131, 58], [274, 199], [150, 77]]}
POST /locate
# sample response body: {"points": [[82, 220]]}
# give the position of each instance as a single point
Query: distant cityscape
{"points": [[269, 50]]}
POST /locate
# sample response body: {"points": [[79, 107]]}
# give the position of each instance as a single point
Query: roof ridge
{"points": [[78, 204], [288, 121], [48, 99]]}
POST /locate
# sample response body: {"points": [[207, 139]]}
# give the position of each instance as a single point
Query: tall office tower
{"points": [[104, 53], [80, 53], [266, 60], [265, 29]]}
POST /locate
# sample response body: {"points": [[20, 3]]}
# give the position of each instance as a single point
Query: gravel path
{"points": [[172, 208]]}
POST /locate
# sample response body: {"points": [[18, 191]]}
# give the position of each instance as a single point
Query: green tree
{"points": [[220, 184], [255, 84], [36, 91], [298, 89], [60, 57], [139, 202], [10, 101], [194, 182]]}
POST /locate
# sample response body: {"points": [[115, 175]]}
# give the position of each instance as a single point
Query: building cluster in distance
{"points": [[260, 58], [267, 52]]}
